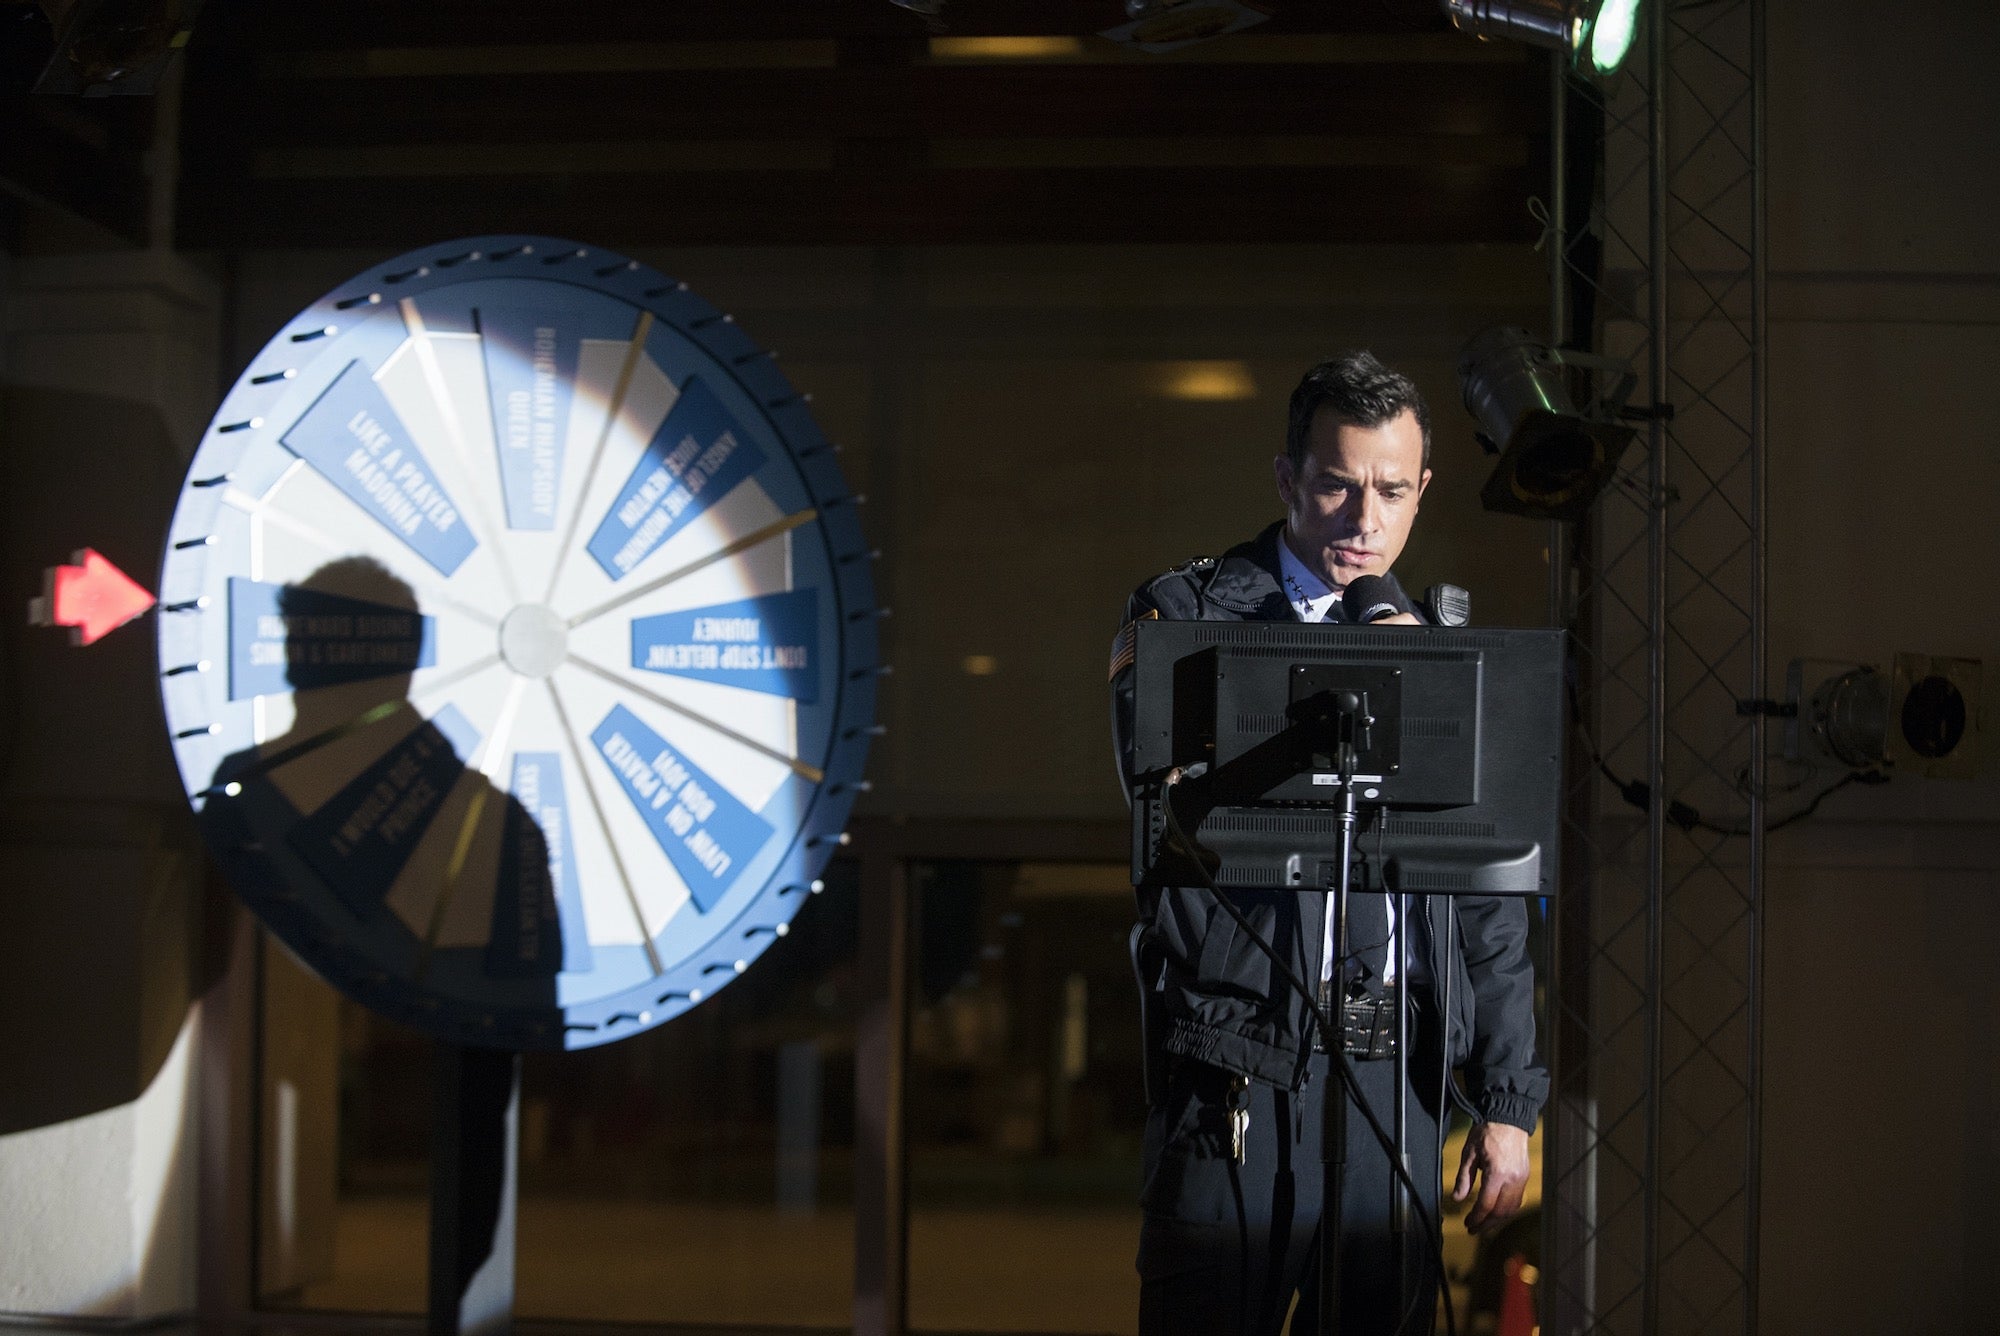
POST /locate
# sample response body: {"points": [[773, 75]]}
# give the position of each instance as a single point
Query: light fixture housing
{"points": [[1552, 23], [1921, 716], [1553, 460], [1598, 33], [106, 47], [1168, 25]]}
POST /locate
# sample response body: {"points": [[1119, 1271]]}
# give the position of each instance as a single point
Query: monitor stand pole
{"points": [[1354, 723], [1333, 1030], [1399, 1196]]}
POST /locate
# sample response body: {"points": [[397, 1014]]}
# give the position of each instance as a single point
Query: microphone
{"points": [[1370, 598]]}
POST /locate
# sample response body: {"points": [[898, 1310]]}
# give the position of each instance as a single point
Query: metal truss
{"points": [[1653, 1136]]}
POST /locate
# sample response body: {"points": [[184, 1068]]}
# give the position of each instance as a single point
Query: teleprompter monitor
{"points": [[1456, 738]]}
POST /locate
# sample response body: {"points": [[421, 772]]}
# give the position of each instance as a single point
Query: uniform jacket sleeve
{"points": [[1174, 596], [1504, 1078]]}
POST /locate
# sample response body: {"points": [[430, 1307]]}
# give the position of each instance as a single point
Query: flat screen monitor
{"points": [[1457, 755]]}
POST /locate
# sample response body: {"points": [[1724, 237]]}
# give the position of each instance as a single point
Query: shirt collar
{"points": [[1311, 597]]}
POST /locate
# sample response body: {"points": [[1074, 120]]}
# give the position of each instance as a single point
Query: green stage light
{"points": [[1608, 35]]}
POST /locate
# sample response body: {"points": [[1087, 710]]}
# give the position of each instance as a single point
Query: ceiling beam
{"points": [[317, 25], [879, 207], [313, 153], [923, 101]]}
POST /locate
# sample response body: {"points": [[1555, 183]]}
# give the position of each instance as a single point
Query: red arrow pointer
{"points": [[93, 598]]}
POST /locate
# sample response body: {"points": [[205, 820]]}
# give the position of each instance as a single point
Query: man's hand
{"points": [[1498, 1154], [1400, 619]]}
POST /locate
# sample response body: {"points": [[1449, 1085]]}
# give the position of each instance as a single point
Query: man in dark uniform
{"points": [[1232, 1186]]}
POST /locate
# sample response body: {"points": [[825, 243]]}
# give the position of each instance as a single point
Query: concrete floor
{"points": [[990, 1270], [748, 1269], [594, 1260]]}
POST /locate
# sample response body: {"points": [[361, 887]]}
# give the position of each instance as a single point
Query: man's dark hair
{"points": [[1361, 392]]}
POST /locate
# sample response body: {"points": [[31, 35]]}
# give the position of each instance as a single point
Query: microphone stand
{"points": [[1399, 1196], [1352, 724]]}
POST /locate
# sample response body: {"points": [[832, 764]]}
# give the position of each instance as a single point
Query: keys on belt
{"points": [[1239, 1116], [1367, 1026]]}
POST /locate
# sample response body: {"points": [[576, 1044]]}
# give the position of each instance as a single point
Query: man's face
{"points": [[1349, 509]]}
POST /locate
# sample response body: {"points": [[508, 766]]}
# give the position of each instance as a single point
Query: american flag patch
{"points": [[1124, 645]]}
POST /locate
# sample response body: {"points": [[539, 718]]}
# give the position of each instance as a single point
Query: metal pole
{"points": [[475, 1178], [881, 1151], [1399, 1197], [1758, 650], [1556, 238], [1656, 624], [1333, 1099], [1553, 1142]]}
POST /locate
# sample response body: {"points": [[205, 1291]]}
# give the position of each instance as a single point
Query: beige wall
{"points": [[106, 368], [1882, 1116]]}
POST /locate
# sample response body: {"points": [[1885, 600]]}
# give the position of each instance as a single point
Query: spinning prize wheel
{"points": [[518, 643]]}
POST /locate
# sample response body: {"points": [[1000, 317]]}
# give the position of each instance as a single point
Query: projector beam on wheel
{"points": [[633, 352], [570, 735], [743, 544], [374, 714], [277, 519], [460, 851], [420, 336], [491, 748], [792, 763], [455, 676]]}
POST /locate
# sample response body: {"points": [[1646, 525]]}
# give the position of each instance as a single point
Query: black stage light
{"points": [[1554, 460], [105, 47], [1596, 32], [1168, 25], [1922, 716]]}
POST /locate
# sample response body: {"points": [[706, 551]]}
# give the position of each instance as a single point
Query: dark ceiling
{"points": [[380, 123]]}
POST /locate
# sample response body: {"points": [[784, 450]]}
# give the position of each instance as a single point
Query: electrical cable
{"points": [[1851, 777], [1769, 790], [1639, 794], [1334, 1045]]}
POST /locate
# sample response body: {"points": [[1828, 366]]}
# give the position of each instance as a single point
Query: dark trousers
{"points": [[1224, 1247]]}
